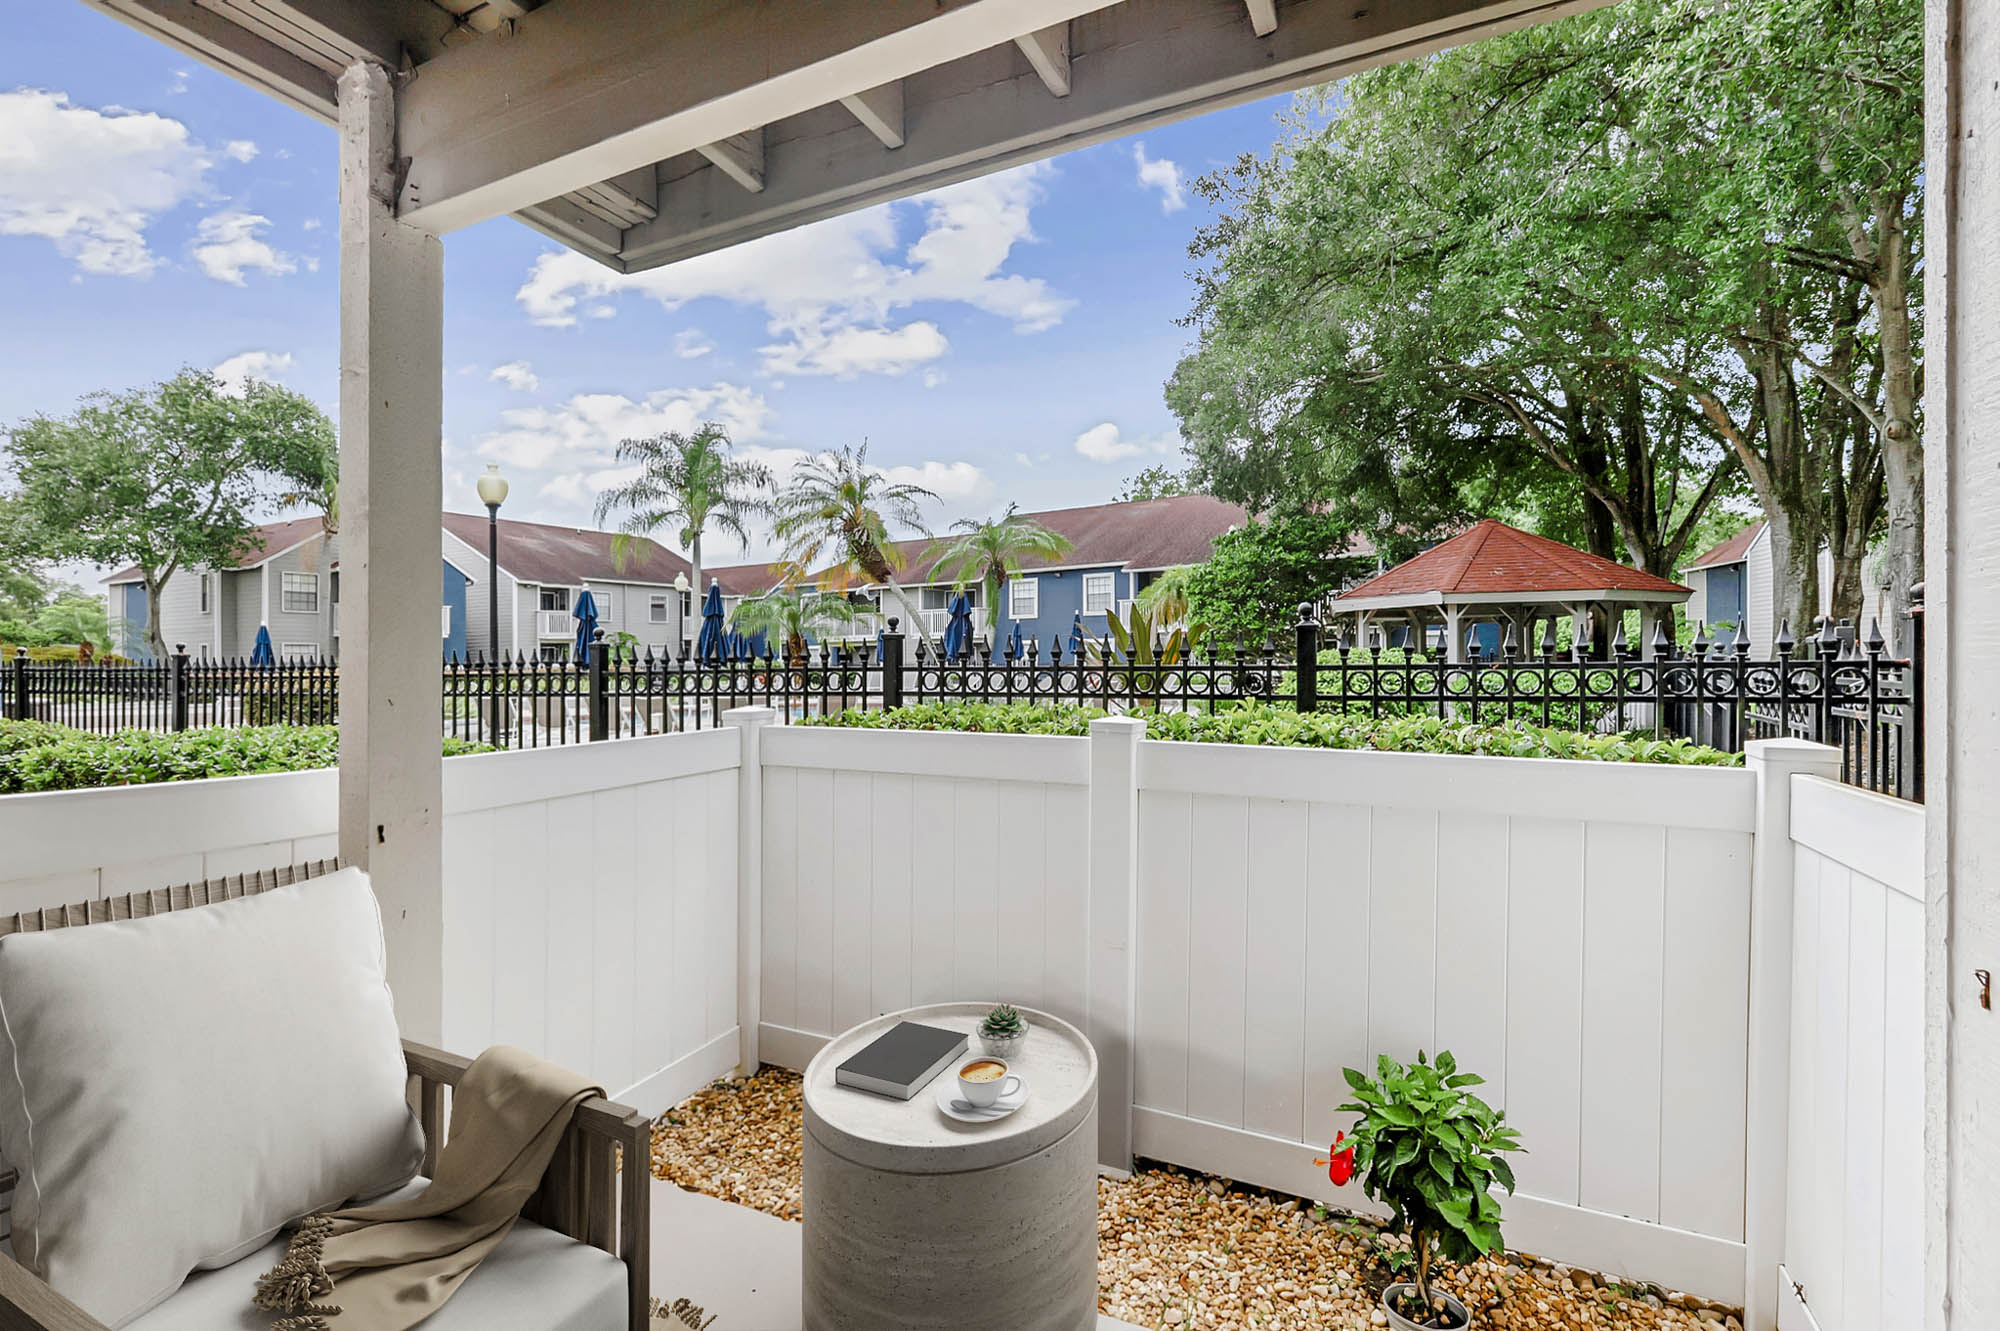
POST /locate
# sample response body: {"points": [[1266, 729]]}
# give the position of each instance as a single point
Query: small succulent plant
{"points": [[1004, 1023]]}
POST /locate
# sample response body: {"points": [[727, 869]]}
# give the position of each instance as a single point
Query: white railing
{"points": [[1705, 1025], [554, 624], [1854, 1221]]}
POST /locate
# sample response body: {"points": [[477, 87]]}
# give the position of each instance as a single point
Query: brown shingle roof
{"points": [[564, 556], [1731, 551], [269, 539], [1137, 534], [1493, 559]]}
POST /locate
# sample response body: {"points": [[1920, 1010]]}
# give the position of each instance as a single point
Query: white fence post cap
{"points": [[1114, 727], [749, 716]]}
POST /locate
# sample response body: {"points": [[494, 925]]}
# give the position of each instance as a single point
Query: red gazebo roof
{"points": [[1493, 562]]}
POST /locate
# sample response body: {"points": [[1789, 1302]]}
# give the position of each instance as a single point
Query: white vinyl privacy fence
{"points": [[1693, 992]]}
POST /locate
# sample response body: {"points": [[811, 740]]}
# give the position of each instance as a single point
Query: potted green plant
{"points": [[1002, 1032], [1431, 1151]]}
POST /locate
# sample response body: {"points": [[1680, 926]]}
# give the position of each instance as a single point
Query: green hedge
{"points": [[35, 756], [1263, 724]]}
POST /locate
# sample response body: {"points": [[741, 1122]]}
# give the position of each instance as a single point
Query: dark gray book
{"points": [[902, 1060]]}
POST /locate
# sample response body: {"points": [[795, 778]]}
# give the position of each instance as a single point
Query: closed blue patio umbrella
{"points": [[708, 647], [1076, 636], [958, 632], [1014, 641], [585, 614], [261, 653]]}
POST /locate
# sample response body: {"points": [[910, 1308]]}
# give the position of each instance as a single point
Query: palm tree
{"points": [[990, 553], [789, 614], [688, 481], [1165, 598], [838, 507]]}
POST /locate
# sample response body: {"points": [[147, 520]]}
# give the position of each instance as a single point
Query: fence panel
{"points": [[908, 868], [1853, 1258], [1301, 911]]}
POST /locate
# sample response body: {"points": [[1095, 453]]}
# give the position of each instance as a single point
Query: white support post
{"points": [[391, 423], [1961, 669], [1774, 762], [1111, 995], [749, 723]]}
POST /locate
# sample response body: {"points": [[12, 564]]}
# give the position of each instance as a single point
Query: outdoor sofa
{"points": [[576, 1261]]}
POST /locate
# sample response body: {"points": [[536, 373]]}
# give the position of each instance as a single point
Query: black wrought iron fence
{"points": [[1836, 688]]}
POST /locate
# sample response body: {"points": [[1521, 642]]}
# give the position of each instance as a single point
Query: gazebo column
{"points": [[391, 421], [1454, 638]]}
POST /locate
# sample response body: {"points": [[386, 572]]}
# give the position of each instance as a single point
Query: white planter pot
{"points": [[1402, 1323]]}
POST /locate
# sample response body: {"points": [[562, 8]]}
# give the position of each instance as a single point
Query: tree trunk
{"points": [[1794, 583], [1845, 600], [153, 635], [1902, 444]]}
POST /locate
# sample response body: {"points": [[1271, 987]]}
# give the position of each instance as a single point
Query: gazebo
{"points": [[1494, 574]]}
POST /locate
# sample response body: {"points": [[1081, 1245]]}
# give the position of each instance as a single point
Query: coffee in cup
{"points": [[985, 1080]]}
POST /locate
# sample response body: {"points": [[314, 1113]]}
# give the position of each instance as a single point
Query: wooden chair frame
{"points": [[584, 1193]]}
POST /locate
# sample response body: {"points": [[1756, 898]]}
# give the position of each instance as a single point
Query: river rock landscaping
{"points": [[1186, 1252]]}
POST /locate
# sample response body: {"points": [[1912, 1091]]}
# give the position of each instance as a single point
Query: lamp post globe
{"points": [[493, 493]]}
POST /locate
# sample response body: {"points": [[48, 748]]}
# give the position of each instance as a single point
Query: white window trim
{"points": [[289, 650], [206, 603], [657, 609], [1109, 581], [285, 590], [1033, 588]]}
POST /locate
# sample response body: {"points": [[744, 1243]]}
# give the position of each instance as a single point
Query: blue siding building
{"points": [[1114, 551]]}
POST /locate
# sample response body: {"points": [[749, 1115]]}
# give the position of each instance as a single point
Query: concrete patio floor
{"points": [[740, 1267]]}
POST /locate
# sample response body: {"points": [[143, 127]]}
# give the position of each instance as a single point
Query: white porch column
{"points": [[1111, 994], [1454, 636], [391, 411], [1962, 592]]}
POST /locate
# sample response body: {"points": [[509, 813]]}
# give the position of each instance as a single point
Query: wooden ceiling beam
{"points": [[1263, 16], [881, 110], [1048, 51]]}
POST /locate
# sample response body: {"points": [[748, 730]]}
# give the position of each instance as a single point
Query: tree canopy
{"points": [[166, 477], [1607, 271]]}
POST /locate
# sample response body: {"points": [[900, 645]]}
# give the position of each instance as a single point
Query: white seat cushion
{"points": [[174, 1089], [536, 1280]]}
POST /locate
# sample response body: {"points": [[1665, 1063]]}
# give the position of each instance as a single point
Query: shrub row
{"points": [[35, 756], [1262, 724]]}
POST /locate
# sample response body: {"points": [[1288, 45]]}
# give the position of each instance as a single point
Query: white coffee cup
{"points": [[988, 1081]]}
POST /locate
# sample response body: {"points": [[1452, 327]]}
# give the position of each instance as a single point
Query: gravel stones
{"points": [[1191, 1252]]}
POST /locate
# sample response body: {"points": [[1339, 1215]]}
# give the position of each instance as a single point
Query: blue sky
{"points": [[1004, 340]]}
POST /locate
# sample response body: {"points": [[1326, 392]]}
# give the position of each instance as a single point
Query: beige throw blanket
{"points": [[387, 1267]]}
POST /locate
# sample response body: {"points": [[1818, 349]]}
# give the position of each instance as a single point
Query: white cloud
{"points": [[579, 435], [830, 292], [179, 83], [92, 181], [240, 150], [227, 246], [1162, 174], [692, 343], [517, 375], [1107, 443], [237, 372], [846, 353], [310, 224]]}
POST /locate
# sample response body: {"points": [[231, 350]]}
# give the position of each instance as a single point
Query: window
{"points": [[687, 605], [333, 586], [1024, 598], [299, 593], [657, 611], [204, 593], [295, 650], [555, 598], [555, 651], [607, 605], [1097, 593], [940, 598]]}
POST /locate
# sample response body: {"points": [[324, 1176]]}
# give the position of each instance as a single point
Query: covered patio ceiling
{"points": [[639, 132]]}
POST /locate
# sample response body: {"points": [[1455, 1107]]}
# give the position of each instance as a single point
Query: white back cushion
{"points": [[175, 1089]]}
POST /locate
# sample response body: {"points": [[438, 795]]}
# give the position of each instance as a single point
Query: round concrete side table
{"points": [[916, 1220]]}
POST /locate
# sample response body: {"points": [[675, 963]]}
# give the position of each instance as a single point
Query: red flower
{"points": [[1340, 1168]]}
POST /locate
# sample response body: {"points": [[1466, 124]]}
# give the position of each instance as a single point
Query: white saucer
{"points": [[949, 1103]]}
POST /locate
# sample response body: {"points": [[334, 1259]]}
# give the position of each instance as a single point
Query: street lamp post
{"points": [[681, 585], [493, 493]]}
